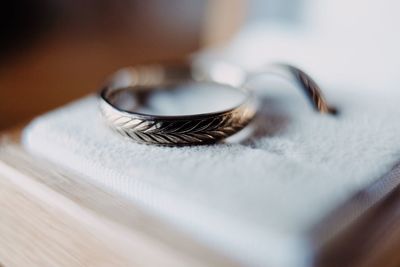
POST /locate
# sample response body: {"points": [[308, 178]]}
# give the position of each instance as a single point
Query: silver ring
{"points": [[196, 129], [204, 128]]}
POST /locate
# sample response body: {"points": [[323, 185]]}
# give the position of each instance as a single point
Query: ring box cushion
{"points": [[254, 198]]}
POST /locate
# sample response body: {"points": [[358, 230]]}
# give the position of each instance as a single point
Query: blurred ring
{"points": [[194, 129]]}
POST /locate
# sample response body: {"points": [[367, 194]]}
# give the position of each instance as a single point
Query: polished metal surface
{"points": [[299, 78], [195, 129]]}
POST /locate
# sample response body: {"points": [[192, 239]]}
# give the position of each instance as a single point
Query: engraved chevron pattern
{"points": [[183, 131], [313, 91], [303, 80], [195, 129]]}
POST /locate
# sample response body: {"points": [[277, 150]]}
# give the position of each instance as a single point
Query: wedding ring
{"points": [[139, 83], [190, 129]]}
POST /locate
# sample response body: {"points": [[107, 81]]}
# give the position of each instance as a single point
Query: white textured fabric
{"points": [[257, 197]]}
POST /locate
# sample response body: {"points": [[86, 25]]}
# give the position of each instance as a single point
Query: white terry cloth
{"points": [[253, 200]]}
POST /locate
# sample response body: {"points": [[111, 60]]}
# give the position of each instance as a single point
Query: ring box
{"points": [[305, 190]]}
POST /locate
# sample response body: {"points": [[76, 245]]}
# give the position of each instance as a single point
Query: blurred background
{"points": [[54, 51]]}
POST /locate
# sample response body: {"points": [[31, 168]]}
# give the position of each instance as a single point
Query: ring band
{"points": [[205, 128], [194, 129]]}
